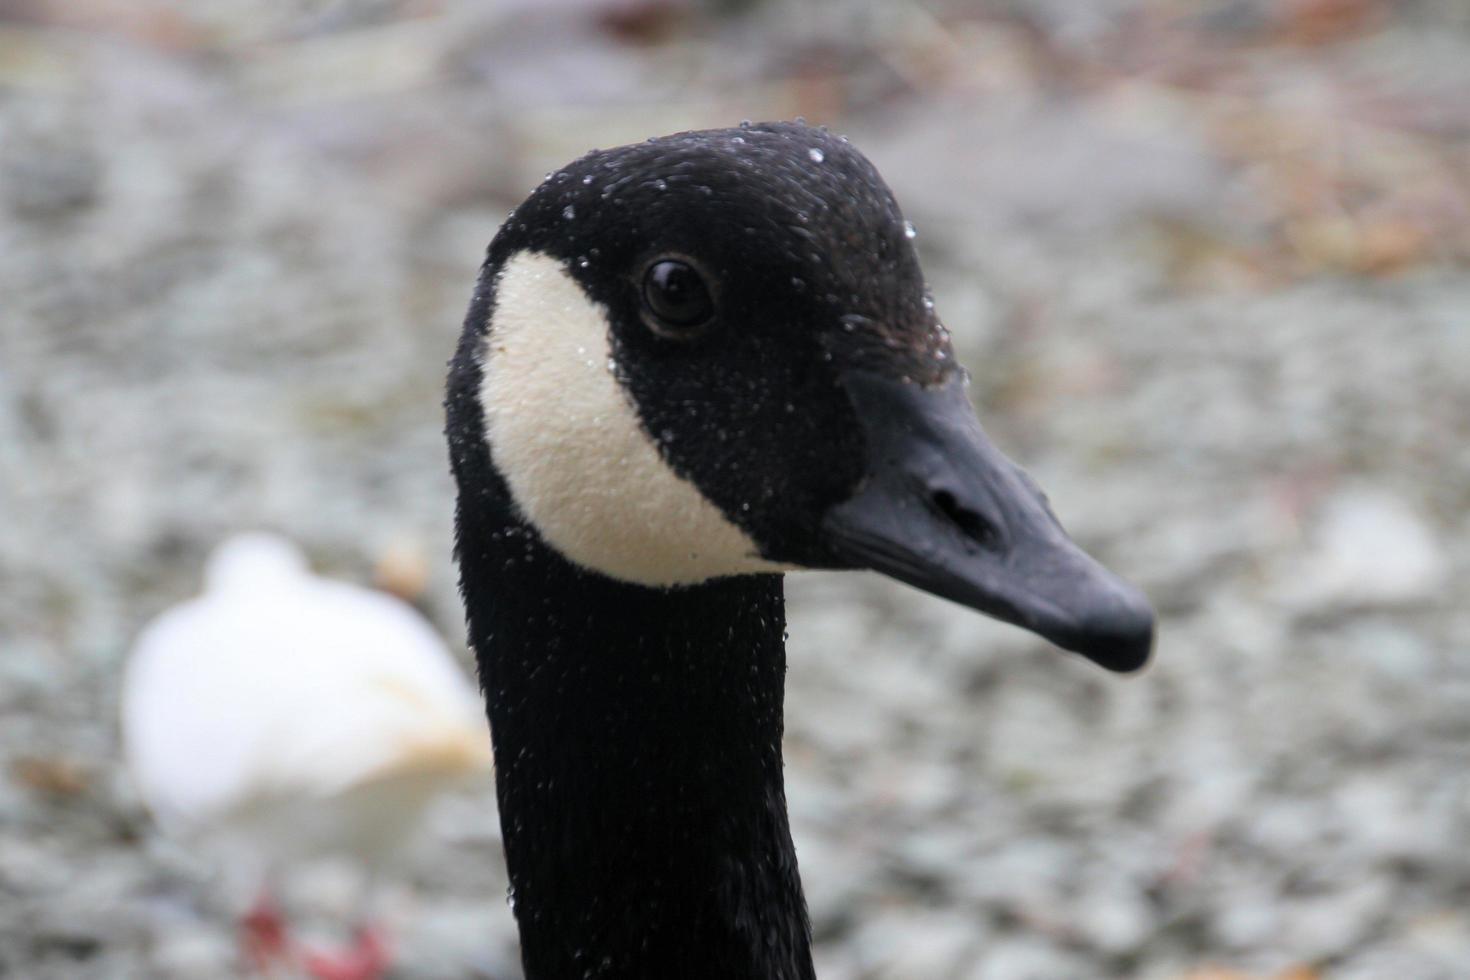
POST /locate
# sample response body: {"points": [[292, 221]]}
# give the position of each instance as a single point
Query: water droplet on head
{"points": [[582, 262], [909, 231], [745, 124], [816, 155], [737, 139], [569, 212], [661, 184], [587, 179], [928, 302]]}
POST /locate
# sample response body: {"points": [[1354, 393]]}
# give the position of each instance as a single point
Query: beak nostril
{"points": [[973, 525]]}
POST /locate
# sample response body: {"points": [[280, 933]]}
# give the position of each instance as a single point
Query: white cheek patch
{"points": [[564, 434]]}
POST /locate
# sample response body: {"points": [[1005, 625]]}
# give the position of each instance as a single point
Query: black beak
{"points": [[943, 510]]}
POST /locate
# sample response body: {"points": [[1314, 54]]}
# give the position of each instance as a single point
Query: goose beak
{"points": [[945, 511]]}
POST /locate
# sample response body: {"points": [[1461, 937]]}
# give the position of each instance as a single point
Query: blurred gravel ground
{"points": [[1208, 265]]}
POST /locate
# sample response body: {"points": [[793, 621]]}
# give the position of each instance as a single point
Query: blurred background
{"points": [[1209, 263]]}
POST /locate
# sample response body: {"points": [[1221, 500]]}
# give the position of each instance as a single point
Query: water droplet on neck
{"points": [[816, 155], [569, 212], [909, 231]]}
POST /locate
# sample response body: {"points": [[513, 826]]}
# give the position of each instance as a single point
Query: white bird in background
{"points": [[282, 716]]}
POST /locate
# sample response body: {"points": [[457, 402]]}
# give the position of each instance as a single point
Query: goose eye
{"points": [[675, 295]]}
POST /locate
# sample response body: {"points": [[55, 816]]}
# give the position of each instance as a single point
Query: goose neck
{"points": [[637, 739]]}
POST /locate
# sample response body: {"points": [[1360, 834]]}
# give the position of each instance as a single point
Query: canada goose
{"points": [[281, 716], [689, 365]]}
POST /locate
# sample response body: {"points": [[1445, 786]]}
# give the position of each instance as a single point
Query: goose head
{"points": [[714, 354]]}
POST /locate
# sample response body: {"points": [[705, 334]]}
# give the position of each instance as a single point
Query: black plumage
{"points": [[638, 730]]}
